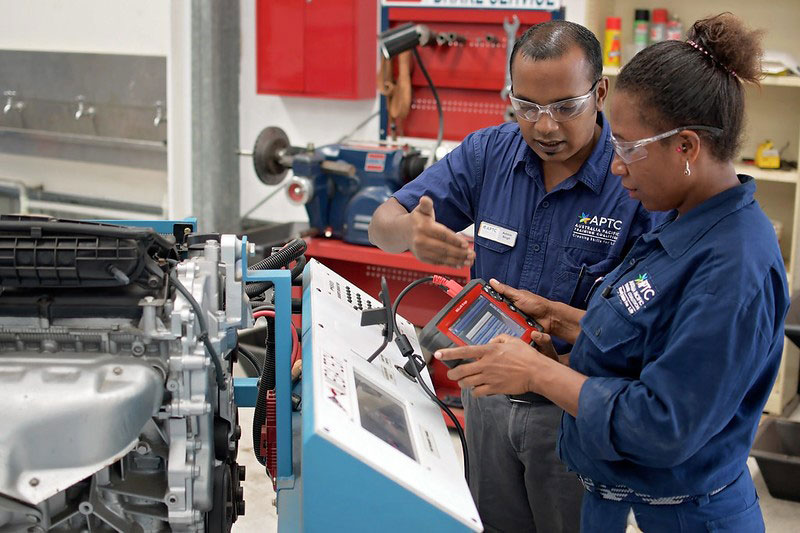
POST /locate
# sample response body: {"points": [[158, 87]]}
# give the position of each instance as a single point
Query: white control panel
{"points": [[375, 411]]}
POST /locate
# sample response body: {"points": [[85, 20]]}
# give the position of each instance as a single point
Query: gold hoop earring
{"points": [[687, 171]]}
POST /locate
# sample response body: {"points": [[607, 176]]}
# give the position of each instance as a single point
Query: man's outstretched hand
{"points": [[435, 243]]}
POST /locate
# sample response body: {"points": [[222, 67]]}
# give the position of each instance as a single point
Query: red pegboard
{"points": [[468, 76]]}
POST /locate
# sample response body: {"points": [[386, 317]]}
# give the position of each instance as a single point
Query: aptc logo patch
{"points": [[597, 229], [635, 293]]}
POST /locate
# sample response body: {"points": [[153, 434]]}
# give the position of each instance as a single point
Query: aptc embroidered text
{"points": [[635, 293], [597, 229]]}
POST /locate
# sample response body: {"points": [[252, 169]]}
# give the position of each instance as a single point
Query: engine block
{"points": [[116, 418]]}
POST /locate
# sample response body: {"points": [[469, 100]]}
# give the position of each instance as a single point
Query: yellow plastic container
{"points": [[767, 156]]}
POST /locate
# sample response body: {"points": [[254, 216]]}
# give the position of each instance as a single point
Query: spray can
{"points": [[611, 43], [674, 29], [641, 28], [658, 28]]}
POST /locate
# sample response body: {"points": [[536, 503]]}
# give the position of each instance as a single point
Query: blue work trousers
{"points": [[734, 509]]}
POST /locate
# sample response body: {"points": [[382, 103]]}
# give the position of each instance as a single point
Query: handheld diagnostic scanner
{"points": [[476, 315]]}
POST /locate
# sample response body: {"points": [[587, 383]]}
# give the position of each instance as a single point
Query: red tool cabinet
{"points": [[316, 48]]}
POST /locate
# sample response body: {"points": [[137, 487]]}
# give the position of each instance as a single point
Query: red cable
{"points": [[295, 340], [450, 286]]}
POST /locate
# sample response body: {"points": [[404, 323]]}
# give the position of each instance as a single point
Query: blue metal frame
{"points": [[161, 226], [384, 118], [282, 280], [245, 391]]}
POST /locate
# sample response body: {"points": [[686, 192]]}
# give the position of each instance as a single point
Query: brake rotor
{"points": [[266, 155]]}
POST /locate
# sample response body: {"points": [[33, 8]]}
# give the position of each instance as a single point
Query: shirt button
{"points": [[536, 248], [598, 331], [633, 261], [545, 204]]}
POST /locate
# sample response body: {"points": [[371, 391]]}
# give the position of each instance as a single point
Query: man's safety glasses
{"points": [[632, 151], [560, 111]]}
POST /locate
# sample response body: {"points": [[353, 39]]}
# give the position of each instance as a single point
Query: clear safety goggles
{"points": [[560, 111], [632, 151]]}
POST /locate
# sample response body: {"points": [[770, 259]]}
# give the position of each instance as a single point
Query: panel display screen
{"points": [[383, 416], [484, 321]]}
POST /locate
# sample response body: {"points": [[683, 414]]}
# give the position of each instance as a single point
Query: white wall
{"points": [[139, 27], [100, 26], [575, 10]]}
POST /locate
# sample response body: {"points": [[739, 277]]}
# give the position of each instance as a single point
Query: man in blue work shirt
{"points": [[549, 217]]}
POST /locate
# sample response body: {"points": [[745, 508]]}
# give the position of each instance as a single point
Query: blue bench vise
{"points": [[340, 185]]}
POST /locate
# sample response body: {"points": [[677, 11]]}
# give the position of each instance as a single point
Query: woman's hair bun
{"points": [[731, 44]]}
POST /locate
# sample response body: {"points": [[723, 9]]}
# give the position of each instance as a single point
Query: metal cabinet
{"points": [[316, 48]]}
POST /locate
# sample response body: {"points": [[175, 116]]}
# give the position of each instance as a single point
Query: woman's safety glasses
{"points": [[560, 111], [632, 151]]}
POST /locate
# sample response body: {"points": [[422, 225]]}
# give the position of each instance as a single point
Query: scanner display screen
{"points": [[383, 416], [484, 321]]}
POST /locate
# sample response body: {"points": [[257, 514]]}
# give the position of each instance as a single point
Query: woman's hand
{"points": [[509, 366], [503, 366], [533, 305], [544, 344], [556, 318]]}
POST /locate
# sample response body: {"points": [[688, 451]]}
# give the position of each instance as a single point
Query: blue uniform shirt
{"points": [[585, 224], [681, 344]]}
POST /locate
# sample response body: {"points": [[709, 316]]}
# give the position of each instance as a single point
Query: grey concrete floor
{"points": [[780, 516]]}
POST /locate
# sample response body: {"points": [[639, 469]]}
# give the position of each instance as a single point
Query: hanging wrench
{"points": [[511, 37]]}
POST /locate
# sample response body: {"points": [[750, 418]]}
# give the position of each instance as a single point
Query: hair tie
{"points": [[714, 59]]}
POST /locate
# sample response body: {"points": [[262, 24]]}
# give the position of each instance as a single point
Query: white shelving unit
{"points": [[773, 112]]}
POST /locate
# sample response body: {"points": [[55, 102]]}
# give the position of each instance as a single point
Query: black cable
{"points": [[265, 384], [201, 321], [297, 269], [405, 346], [251, 358], [388, 332], [400, 296], [279, 259], [440, 134], [380, 349]]}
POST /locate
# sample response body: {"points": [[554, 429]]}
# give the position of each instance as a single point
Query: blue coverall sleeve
{"points": [[453, 183], [715, 351]]}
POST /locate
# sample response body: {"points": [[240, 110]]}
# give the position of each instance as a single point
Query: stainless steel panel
{"points": [[123, 90]]}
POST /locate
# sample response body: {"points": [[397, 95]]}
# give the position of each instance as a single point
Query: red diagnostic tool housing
{"points": [[475, 315]]}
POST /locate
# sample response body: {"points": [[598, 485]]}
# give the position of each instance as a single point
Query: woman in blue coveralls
{"points": [[676, 354]]}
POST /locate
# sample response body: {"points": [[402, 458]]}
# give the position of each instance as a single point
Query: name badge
{"points": [[497, 234]]}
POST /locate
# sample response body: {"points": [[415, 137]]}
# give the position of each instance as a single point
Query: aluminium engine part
{"points": [[113, 418]]}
